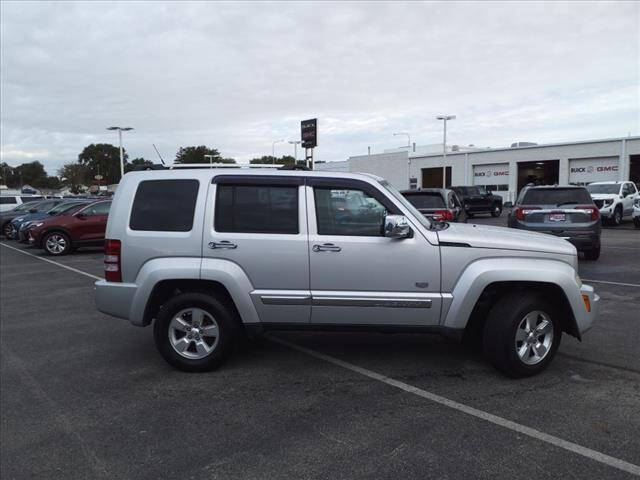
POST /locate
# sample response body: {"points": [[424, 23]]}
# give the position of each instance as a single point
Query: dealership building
{"points": [[505, 171]]}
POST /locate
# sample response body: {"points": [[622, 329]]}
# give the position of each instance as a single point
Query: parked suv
{"points": [[8, 215], [79, 227], [9, 202], [37, 211], [31, 221], [440, 204], [614, 199], [209, 255], [477, 199], [566, 212], [636, 213]]}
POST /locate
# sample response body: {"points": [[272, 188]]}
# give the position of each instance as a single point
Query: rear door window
{"points": [[164, 205], [256, 209], [8, 200], [98, 209], [348, 212], [557, 196]]}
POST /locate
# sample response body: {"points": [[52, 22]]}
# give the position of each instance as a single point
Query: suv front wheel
{"points": [[497, 210], [194, 332], [522, 334]]}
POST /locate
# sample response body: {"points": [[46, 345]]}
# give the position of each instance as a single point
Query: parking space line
{"points": [[51, 261], [587, 280], [488, 417], [502, 422]]}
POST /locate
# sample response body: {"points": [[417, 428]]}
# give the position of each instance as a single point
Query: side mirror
{"points": [[397, 226], [81, 216]]}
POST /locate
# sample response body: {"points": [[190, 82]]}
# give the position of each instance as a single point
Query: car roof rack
{"points": [[175, 166]]}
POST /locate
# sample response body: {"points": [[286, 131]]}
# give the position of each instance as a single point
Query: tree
{"points": [[268, 159], [136, 162], [102, 159], [8, 176], [74, 175], [31, 173], [197, 155]]}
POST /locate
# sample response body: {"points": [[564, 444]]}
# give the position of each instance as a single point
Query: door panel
{"points": [[277, 264], [369, 279]]}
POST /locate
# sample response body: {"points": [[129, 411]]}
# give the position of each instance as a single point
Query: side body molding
{"points": [[481, 273]]}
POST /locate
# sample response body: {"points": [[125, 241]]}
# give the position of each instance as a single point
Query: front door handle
{"points": [[326, 247], [222, 244]]}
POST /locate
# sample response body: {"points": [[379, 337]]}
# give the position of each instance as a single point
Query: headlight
{"points": [[19, 219], [25, 225], [637, 202], [608, 201]]}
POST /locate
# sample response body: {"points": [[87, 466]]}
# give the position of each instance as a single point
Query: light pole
{"points": [[295, 144], [444, 146], [408, 158], [273, 150], [120, 130]]}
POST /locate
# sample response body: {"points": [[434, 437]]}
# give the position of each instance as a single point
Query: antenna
{"points": [[154, 147]]}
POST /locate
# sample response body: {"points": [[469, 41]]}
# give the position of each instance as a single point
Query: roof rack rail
{"points": [[220, 165]]}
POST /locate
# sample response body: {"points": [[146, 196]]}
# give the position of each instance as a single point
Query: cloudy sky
{"points": [[237, 76]]}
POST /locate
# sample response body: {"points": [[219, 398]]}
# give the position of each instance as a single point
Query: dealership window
{"points": [[257, 209], [164, 205], [497, 188], [348, 212]]}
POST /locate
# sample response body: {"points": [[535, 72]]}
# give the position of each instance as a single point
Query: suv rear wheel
{"points": [[194, 332], [522, 334], [592, 254], [56, 244]]}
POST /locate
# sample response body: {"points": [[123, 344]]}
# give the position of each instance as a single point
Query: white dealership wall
{"points": [[396, 167]]}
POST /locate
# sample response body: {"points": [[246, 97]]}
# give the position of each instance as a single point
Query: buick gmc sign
{"points": [[494, 174], [587, 170]]}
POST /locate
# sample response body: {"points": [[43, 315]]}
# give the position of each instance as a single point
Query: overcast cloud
{"points": [[237, 76]]}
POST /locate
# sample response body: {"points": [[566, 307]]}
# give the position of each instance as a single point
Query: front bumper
{"points": [[586, 319]]}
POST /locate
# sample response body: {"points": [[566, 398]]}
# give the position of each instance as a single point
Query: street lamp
{"points": [[273, 150], [295, 144], [408, 138], [120, 130], [444, 146], [408, 153]]}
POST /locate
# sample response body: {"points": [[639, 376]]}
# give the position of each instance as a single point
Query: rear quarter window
{"points": [[557, 196], [164, 205]]}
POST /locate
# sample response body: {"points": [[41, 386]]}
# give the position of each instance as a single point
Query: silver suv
{"points": [[211, 255]]}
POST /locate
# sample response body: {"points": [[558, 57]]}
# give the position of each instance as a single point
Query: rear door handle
{"points": [[326, 247], [222, 244]]}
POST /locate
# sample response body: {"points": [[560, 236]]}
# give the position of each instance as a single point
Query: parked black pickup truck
{"points": [[477, 199]]}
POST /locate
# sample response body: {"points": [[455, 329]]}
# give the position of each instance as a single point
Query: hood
{"points": [[484, 236], [604, 196]]}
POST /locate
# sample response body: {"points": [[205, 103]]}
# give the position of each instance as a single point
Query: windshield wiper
{"points": [[566, 203]]}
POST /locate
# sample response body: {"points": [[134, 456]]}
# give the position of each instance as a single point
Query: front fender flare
{"points": [[481, 273]]}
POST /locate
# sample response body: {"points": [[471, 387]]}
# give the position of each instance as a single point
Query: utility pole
{"points": [[444, 147], [273, 150]]}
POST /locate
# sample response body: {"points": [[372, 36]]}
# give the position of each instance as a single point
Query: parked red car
{"points": [[79, 228]]}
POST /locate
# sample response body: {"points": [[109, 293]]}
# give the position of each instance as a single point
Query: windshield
{"points": [[65, 207], [24, 207], [603, 188], [398, 196], [426, 200]]}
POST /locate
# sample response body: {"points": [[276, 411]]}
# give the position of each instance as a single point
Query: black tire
{"points": [[616, 218], [499, 339], [59, 238], [219, 311], [496, 211], [592, 253], [636, 222]]}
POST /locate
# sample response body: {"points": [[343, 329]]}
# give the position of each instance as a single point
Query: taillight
{"points": [[112, 271], [443, 215], [522, 212], [593, 211]]}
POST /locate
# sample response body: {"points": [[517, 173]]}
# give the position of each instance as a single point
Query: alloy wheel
{"points": [[534, 337], [194, 333], [56, 244], [8, 230]]}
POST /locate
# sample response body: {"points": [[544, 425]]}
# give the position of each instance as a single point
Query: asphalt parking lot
{"points": [[84, 395]]}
